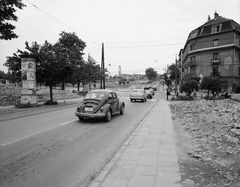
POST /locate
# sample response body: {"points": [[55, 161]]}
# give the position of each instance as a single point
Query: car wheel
{"points": [[122, 110], [145, 100], [131, 100], [108, 116]]}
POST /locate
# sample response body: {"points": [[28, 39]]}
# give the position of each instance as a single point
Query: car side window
{"points": [[110, 96], [114, 95]]}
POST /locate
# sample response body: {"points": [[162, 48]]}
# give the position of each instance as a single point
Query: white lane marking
{"points": [[8, 143]]}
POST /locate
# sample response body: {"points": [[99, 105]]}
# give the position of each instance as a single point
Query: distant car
{"points": [[150, 89], [149, 94], [154, 88], [138, 94], [100, 104]]}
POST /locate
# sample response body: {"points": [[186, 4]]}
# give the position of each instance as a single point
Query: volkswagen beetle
{"points": [[100, 104]]}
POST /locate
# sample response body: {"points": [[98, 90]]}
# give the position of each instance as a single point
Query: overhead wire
{"points": [[148, 41], [59, 21], [115, 47], [35, 28], [45, 26]]}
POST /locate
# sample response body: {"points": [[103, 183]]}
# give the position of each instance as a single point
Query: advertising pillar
{"points": [[28, 67]]}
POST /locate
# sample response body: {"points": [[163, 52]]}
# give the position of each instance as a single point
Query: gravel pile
{"points": [[11, 95], [214, 128]]}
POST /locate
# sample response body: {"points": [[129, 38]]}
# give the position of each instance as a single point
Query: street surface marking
{"points": [[5, 144]]}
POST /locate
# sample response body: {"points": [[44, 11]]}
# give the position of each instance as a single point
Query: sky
{"points": [[136, 34]]}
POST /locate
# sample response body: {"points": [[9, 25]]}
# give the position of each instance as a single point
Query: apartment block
{"points": [[213, 49]]}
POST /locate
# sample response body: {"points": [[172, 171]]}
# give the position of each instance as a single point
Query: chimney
{"points": [[209, 18], [215, 15]]}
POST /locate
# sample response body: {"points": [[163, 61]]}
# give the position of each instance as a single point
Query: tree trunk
{"points": [[63, 85], [78, 85], [51, 93]]}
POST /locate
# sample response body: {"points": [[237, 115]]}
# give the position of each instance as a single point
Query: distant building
{"points": [[213, 49]]}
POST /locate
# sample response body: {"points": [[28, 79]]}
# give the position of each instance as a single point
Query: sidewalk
{"points": [[148, 158]]}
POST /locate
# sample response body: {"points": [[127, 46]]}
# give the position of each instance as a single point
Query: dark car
{"points": [[154, 88], [100, 104]]}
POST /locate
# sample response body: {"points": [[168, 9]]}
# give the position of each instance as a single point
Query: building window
{"points": [[215, 56], [193, 59], [193, 34], [215, 42], [215, 71], [216, 28], [192, 47]]}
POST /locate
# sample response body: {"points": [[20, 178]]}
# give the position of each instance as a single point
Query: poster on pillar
{"points": [[28, 67]]}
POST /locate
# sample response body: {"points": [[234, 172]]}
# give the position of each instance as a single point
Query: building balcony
{"points": [[192, 64], [215, 61], [190, 76], [215, 74]]}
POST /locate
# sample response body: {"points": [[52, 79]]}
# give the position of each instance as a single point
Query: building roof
{"points": [[206, 28], [215, 21]]}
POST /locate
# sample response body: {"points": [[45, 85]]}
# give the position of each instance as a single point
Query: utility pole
{"points": [[103, 66], [102, 85]]}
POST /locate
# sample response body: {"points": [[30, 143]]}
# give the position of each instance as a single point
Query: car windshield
{"points": [[137, 91], [98, 96]]}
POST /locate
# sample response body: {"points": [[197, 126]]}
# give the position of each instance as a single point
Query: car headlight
{"points": [[101, 109]]}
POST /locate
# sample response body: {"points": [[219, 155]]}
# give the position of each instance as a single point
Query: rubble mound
{"points": [[11, 95], [214, 129]]}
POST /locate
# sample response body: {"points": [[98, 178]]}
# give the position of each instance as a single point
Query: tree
{"points": [[175, 72], [212, 84], [14, 67], [151, 74], [189, 86], [48, 66], [7, 10], [91, 71], [69, 52]]}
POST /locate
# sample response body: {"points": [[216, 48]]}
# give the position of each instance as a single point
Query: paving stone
{"points": [[161, 184], [168, 166], [110, 182], [148, 159], [168, 177], [141, 181], [168, 158], [129, 156], [167, 152], [145, 170]]}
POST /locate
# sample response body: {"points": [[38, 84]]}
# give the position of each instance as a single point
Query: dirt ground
{"points": [[208, 139]]}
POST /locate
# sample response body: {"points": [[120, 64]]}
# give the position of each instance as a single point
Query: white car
{"points": [[138, 94]]}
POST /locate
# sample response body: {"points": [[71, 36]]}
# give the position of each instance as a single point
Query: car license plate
{"points": [[88, 109]]}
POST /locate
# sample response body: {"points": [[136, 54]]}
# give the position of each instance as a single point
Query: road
{"points": [[51, 147]]}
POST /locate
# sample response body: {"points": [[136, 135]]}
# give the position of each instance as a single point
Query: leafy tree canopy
{"points": [[7, 12], [174, 71], [189, 86], [151, 74], [212, 84]]}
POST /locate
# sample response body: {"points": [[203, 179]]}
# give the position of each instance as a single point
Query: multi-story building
{"points": [[213, 49]]}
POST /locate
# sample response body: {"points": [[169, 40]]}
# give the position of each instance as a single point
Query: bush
{"points": [[27, 105], [83, 93], [182, 98], [212, 84], [48, 102], [237, 89], [189, 86]]}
